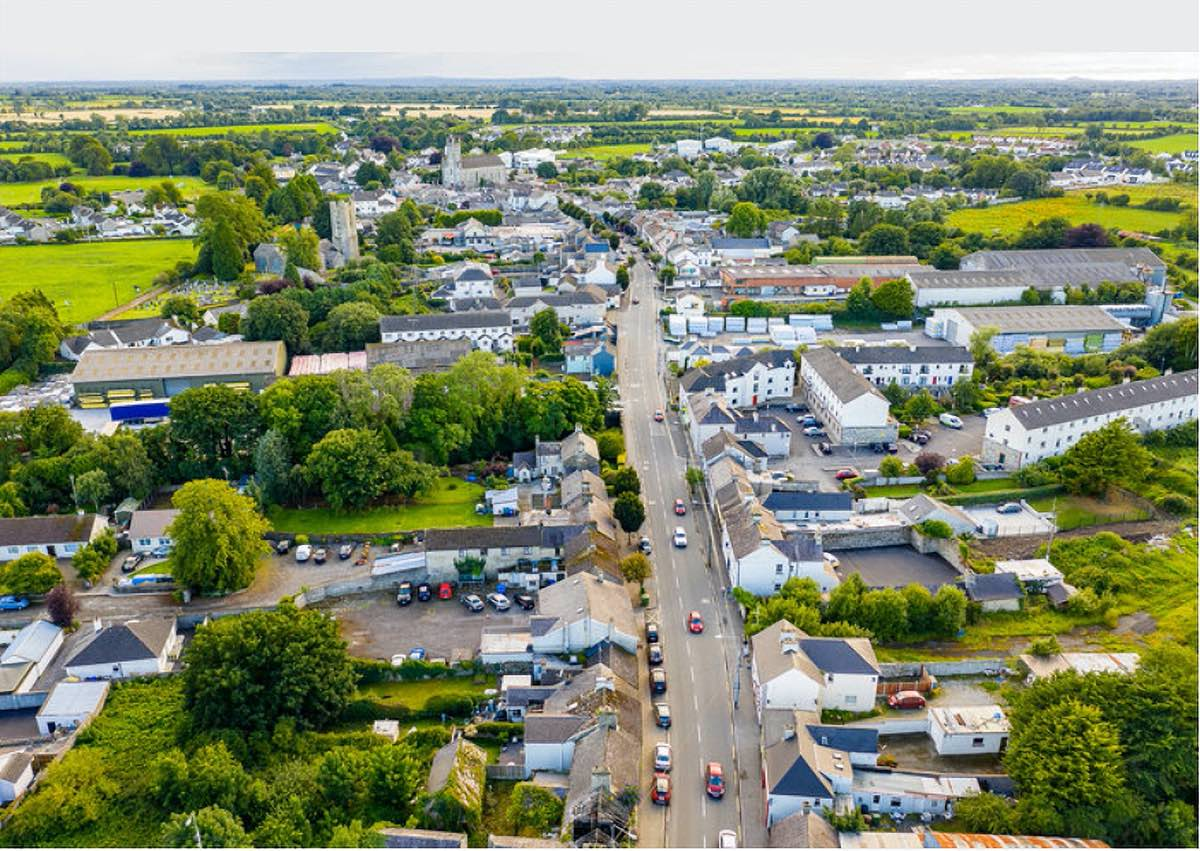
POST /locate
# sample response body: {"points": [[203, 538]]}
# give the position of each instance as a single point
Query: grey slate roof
{"points": [[488, 537], [840, 377], [808, 501], [439, 321], [857, 739], [993, 586], [126, 642], [550, 728], [49, 529], [408, 837], [861, 355], [728, 243], [799, 548], [714, 374], [1106, 400], [837, 656]]}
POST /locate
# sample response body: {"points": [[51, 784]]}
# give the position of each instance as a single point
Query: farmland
{"points": [[14, 194], [80, 278], [49, 157], [323, 127], [1174, 144], [605, 152], [1008, 219]]}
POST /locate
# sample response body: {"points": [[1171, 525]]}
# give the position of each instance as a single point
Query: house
{"points": [[1074, 329], [935, 368], [803, 829], [748, 454], [148, 529], [708, 413], [575, 309], [853, 409], [16, 773], [576, 451], [487, 330], [798, 774], [1020, 435], [131, 649], [962, 730], [689, 304], [519, 696], [58, 536], [792, 670], [502, 502], [71, 704], [804, 506], [474, 281], [164, 372], [535, 549], [922, 507], [578, 614], [32, 650], [124, 334], [745, 381], [915, 794], [269, 259], [995, 592], [589, 357]]}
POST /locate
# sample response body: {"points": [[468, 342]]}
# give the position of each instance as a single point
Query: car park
{"points": [[319, 555], [499, 602], [695, 623], [404, 595], [303, 553], [679, 539], [662, 757], [13, 603], [644, 545], [131, 562], [655, 654], [652, 632], [472, 602], [906, 700], [424, 592], [283, 546], [1009, 508], [345, 551], [660, 789], [662, 715], [525, 601], [714, 780], [950, 421], [658, 681]]}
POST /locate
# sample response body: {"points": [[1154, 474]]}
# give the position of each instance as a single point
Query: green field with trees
{"points": [[451, 502], [322, 127], [18, 194]]}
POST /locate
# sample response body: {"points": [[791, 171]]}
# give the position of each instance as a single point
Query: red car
{"points": [[658, 416], [680, 508], [445, 591], [695, 623], [848, 473], [714, 780], [906, 700], [660, 789]]}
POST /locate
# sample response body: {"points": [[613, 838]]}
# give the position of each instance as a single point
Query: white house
{"points": [[124, 334], [741, 250], [915, 794], [935, 368], [471, 282], [961, 730], [501, 548], [746, 381], [488, 330], [801, 506], [131, 649], [550, 740], [1016, 437], [689, 148], [689, 304], [32, 650], [601, 272], [708, 413], [581, 612], [148, 529], [59, 535], [577, 309], [16, 773], [853, 410], [70, 704], [792, 670]]}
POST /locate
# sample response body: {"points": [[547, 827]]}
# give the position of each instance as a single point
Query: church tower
{"points": [[452, 175]]}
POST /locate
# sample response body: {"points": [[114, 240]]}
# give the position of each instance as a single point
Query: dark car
{"points": [[893, 448], [658, 681], [826, 448], [921, 436], [525, 601], [424, 592], [345, 551], [1009, 508], [404, 596], [131, 562], [879, 448], [652, 633], [655, 654]]}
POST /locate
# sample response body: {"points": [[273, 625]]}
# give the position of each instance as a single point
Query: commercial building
{"points": [[1074, 329], [853, 410], [488, 330], [161, 372], [933, 367], [1025, 434], [1146, 265]]}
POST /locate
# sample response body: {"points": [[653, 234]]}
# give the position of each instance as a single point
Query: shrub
{"points": [[301, 539], [962, 473], [1045, 646], [453, 705], [935, 529], [496, 730], [1176, 504]]}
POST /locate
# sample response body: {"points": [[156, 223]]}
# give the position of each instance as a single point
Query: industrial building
{"points": [[1074, 329]]}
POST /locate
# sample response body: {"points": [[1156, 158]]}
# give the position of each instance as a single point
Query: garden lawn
{"points": [[1008, 219], [79, 278], [451, 502], [1174, 144], [978, 486], [605, 152], [1074, 512], [13, 194], [323, 127], [413, 695]]}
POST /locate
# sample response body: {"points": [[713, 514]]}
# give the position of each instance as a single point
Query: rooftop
{"points": [[961, 720], [1106, 400], [838, 376], [1065, 318], [180, 362]]}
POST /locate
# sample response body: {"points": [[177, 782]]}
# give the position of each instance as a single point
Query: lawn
{"points": [[605, 152], [12, 194], [1174, 144], [51, 158], [1074, 512], [450, 503], [1008, 219], [323, 127], [413, 695], [978, 486], [80, 279]]}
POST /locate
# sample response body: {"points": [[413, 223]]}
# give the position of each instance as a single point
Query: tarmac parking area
{"points": [[895, 567]]}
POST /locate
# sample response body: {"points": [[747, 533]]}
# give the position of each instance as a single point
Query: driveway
{"points": [[895, 567]]}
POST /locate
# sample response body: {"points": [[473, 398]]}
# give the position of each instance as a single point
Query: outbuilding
{"points": [[961, 730], [70, 704]]}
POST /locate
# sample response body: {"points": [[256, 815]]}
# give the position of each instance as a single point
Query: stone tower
{"points": [[343, 228], [452, 175]]}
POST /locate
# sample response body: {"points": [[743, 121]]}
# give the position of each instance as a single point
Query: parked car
{"points": [[814, 431], [472, 602], [1009, 508], [695, 623], [680, 508], [831, 560], [658, 416], [164, 552], [906, 700], [131, 562], [283, 546], [826, 448], [417, 654], [445, 591], [662, 715], [424, 592], [660, 789], [654, 654], [404, 595], [714, 780], [846, 473], [662, 757], [793, 407], [992, 468], [658, 681], [525, 601], [319, 555], [13, 603], [679, 539], [987, 412], [303, 553], [727, 839], [807, 420], [345, 551], [921, 436], [950, 421], [644, 545], [498, 602], [892, 448], [652, 633]]}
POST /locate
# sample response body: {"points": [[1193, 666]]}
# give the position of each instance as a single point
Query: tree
{"points": [[61, 605], [624, 480], [929, 463], [623, 277], [218, 426], [920, 407], [273, 317], [355, 835], [350, 466], [635, 567], [823, 140], [949, 611], [547, 170], [545, 327], [966, 395], [610, 444], [1088, 235], [350, 327], [630, 512], [394, 238], [746, 220], [31, 574], [891, 467], [273, 467], [980, 345], [227, 255], [227, 225], [300, 247], [92, 488], [885, 613], [884, 239], [1103, 459], [287, 663], [986, 812], [962, 473], [217, 536], [181, 308], [210, 827], [89, 564], [894, 298], [370, 172], [694, 477], [945, 256], [858, 300], [534, 810]]}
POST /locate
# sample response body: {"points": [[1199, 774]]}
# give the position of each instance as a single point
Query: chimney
{"points": [[607, 719], [789, 642], [789, 733], [601, 779]]}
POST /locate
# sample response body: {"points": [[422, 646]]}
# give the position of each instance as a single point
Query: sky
{"points": [[90, 40]]}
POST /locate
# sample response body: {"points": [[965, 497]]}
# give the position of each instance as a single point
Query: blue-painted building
{"points": [[590, 357]]}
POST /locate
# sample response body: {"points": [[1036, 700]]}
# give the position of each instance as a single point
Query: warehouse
{"points": [[117, 375], [1073, 329]]}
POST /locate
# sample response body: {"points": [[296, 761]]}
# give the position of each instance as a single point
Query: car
{"points": [[131, 562], [695, 623], [404, 595], [644, 545], [921, 436], [727, 839], [680, 507], [814, 431], [906, 700], [445, 591], [303, 553], [831, 560], [660, 789], [417, 653], [472, 602], [992, 468], [662, 715], [283, 546], [950, 421], [714, 780], [658, 416], [892, 448], [319, 555], [662, 757], [498, 602], [807, 420], [161, 552], [345, 551], [13, 603], [1009, 508], [826, 448], [637, 300], [679, 539], [652, 633], [424, 592], [878, 448], [655, 654], [846, 473], [658, 681], [525, 601]]}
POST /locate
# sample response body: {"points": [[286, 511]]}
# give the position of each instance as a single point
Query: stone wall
{"points": [[853, 539], [941, 668]]}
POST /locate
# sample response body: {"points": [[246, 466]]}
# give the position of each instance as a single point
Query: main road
{"points": [[704, 671]]}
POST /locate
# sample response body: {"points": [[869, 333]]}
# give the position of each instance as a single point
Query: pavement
{"points": [[705, 671]]}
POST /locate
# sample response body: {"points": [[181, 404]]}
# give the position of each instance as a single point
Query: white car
{"points": [[679, 538], [303, 552], [950, 421], [662, 757], [987, 412], [814, 431], [831, 559], [727, 839], [498, 602]]}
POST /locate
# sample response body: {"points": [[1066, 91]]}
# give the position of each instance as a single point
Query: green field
{"points": [[605, 152], [995, 110], [1176, 144], [31, 193], [225, 129], [450, 503], [1008, 219], [12, 144], [413, 695], [1075, 512], [51, 158]]}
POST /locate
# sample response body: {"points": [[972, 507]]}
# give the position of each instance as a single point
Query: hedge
{"points": [[372, 671], [969, 499]]}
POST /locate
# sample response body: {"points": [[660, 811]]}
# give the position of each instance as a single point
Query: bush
{"points": [[454, 706], [962, 473], [935, 529], [1045, 646], [1176, 504], [1034, 476], [967, 499], [301, 539], [496, 730]]}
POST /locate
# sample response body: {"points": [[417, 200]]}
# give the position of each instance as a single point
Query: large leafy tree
{"points": [[746, 220], [894, 298], [350, 327], [303, 410], [884, 239], [252, 670], [545, 327], [215, 827], [273, 467], [217, 535], [350, 465], [629, 512], [300, 246], [218, 425], [32, 573], [228, 224], [273, 317], [1103, 459]]}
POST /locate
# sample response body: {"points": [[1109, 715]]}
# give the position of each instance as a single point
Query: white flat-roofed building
{"points": [[70, 704], [1031, 571], [962, 730], [1070, 328], [895, 791]]}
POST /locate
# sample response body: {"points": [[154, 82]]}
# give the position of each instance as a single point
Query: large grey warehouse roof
{"points": [[1067, 318], [1032, 258], [179, 362], [961, 278], [1106, 400]]}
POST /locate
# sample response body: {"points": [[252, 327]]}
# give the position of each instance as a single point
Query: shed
{"points": [[70, 704], [16, 773], [995, 592]]}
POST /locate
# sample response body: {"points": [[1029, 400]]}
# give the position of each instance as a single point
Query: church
{"points": [[459, 172]]}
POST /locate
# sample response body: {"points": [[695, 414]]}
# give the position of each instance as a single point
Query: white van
{"points": [[303, 553], [950, 421]]}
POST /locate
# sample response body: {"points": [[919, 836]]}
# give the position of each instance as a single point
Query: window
{"points": [[977, 742], [851, 700], [895, 802], [779, 570]]}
